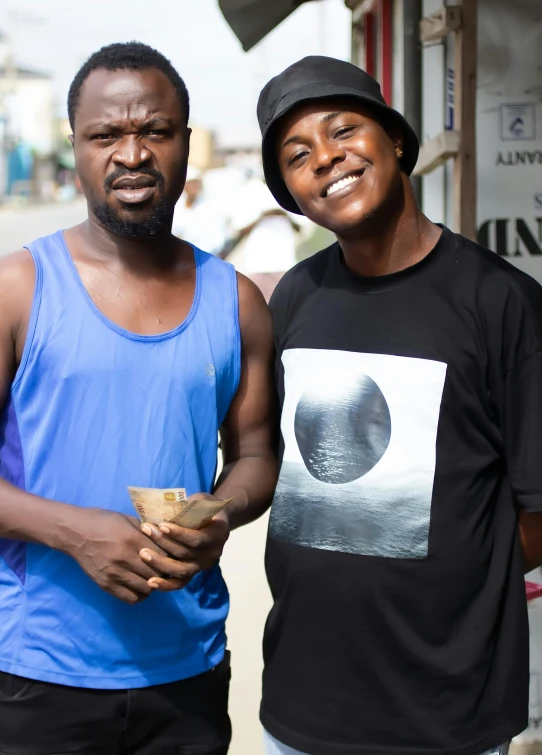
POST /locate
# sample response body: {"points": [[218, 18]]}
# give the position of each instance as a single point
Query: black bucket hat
{"points": [[313, 78]]}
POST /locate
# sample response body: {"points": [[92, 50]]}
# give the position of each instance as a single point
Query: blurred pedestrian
{"points": [[409, 369], [123, 350], [202, 223], [265, 234]]}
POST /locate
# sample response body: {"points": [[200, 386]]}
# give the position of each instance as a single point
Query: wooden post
{"points": [[466, 49]]}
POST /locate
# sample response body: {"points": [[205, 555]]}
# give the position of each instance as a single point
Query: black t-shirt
{"points": [[411, 433]]}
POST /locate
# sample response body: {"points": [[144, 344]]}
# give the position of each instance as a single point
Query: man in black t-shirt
{"points": [[409, 371]]}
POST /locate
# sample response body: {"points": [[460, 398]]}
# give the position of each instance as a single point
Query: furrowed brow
{"points": [[158, 121], [103, 126]]}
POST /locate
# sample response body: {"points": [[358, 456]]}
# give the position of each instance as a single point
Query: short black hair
{"points": [[131, 56]]}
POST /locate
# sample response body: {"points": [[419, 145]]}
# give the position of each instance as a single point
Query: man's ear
{"points": [[71, 139], [397, 138]]}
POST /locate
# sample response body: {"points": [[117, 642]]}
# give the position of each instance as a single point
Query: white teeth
{"points": [[339, 184]]}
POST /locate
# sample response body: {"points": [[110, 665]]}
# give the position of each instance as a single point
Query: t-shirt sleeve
{"points": [[521, 419], [511, 303], [514, 335]]}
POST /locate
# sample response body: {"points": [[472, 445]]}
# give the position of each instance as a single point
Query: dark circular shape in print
{"points": [[342, 431]]}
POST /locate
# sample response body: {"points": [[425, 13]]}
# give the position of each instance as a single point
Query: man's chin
{"points": [[136, 221], [345, 223]]}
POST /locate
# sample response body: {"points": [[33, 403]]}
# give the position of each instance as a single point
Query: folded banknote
{"points": [[162, 505]]}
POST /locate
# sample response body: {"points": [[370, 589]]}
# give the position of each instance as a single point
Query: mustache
{"points": [[143, 171]]}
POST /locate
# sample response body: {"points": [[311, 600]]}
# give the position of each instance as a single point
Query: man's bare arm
{"points": [[22, 516], [248, 434], [105, 544]]}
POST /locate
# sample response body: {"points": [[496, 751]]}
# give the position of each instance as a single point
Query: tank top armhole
{"points": [[237, 329], [36, 301]]}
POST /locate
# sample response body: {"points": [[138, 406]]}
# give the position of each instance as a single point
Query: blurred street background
{"points": [[468, 81]]}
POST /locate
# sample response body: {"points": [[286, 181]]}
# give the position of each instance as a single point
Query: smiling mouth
{"points": [[342, 182]]}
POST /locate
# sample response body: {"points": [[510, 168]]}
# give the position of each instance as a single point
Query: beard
{"points": [[158, 220], [156, 223]]}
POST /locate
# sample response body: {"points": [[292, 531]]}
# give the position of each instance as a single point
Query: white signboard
{"points": [[510, 131]]}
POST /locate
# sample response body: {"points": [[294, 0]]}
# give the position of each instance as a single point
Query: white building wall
{"points": [[509, 123], [509, 164], [30, 111], [433, 119]]}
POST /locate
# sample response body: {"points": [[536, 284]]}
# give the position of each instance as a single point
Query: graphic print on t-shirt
{"points": [[359, 452]]}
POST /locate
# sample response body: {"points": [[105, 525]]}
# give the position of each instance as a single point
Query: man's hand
{"points": [[106, 545], [189, 551], [530, 532]]}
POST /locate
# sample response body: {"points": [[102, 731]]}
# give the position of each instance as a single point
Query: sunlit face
{"points": [[131, 149], [339, 164]]}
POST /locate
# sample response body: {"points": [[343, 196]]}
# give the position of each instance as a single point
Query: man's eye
{"points": [[347, 130], [298, 155], [156, 132], [102, 137]]}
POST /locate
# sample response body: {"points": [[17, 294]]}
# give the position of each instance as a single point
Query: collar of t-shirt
{"points": [[377, 283]]}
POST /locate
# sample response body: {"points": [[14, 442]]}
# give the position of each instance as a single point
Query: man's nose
{"points": [[131, 152], [326, 154]]}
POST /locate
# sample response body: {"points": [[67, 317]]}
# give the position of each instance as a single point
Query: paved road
{"points": [[19, 226], [243, 558]]}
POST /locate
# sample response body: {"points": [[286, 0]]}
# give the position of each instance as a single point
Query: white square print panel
{"points": [[359, 461]]}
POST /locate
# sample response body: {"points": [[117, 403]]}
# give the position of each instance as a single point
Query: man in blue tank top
{"points": [[123, 352]]}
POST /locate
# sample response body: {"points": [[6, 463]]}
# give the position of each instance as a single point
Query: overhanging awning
{"points": [[251, 20]]}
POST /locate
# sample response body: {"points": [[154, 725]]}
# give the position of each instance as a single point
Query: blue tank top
{"points": [[94, 408]]}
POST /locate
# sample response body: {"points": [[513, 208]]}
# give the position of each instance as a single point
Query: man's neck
{"points": [[404, 238], [142, 256]]}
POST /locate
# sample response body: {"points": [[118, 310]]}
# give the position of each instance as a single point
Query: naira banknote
{"points": [[162, 505]]}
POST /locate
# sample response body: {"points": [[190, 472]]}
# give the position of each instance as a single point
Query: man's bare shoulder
{"points": [[254, 315], [251, 300], [249, 293], [17, 282], [17, 262]]}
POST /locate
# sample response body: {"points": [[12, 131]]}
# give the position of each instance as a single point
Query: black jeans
{"points": [[189, 717]]}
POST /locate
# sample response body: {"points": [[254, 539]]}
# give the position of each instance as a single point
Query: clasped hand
{"points": [[188, 551]]}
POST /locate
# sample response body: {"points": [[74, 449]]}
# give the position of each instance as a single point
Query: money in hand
{"points": [[157, 505], [198, 513], [161, 505]]}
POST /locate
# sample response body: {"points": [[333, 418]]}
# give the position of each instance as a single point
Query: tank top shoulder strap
{"points": [[52, 261], [218, 276], [219, 306], [55, 290]]}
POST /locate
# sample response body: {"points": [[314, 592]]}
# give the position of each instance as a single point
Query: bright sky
{"points": [[56, 36]]}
